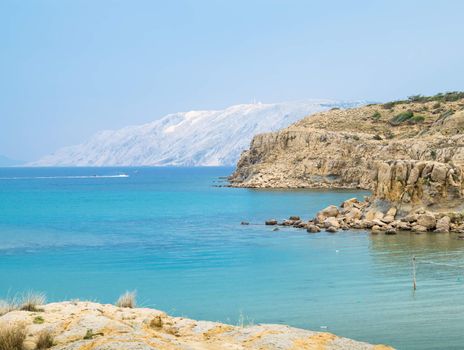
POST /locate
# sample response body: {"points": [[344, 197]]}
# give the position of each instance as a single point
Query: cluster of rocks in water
{"points": [[355, 214]]}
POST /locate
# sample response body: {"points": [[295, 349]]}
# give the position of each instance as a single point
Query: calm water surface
{"points": [[176, 238]]}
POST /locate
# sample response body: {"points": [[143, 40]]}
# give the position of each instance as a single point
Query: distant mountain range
{"points": [[196, 138]]}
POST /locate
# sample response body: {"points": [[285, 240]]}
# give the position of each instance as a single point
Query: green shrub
{"points": [[38, 320], [377, 137], [417, 98], [389, 105], [376, 116], [416, 119], [88, 335], [433, 154], [436, 105], [402, 117], [441, 97]]}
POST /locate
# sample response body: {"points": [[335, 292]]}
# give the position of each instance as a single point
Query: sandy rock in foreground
{"points": [[93, 326]]}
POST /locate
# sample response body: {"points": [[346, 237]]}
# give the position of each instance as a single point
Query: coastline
{"points": [[79, 325]]}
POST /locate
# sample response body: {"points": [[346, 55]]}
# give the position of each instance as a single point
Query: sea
{"points": [[174, 235]]}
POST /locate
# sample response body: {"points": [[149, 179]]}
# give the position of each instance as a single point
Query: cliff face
{"points": [[341, 148], [92, 326], [413, 184]]}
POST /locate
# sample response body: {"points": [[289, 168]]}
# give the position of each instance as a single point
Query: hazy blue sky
{"points": [[71, 68]]}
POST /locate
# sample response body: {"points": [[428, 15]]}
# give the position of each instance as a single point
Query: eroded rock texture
{"points": [[413, 184], [341, 148], [92, 326]]}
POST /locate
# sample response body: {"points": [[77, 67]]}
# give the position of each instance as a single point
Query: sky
{"points": [[71, 68]]}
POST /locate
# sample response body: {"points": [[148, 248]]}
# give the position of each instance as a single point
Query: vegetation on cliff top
{"points": [[440, 97]]}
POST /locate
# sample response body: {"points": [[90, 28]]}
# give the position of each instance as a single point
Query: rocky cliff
{"points": [[414, 184], [343, 148], [92, 326]]}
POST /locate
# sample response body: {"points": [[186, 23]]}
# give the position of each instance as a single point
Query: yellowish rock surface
{"points": [[93, 326]]}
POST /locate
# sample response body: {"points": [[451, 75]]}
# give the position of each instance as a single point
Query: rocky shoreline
{"points": [[355, 214], [417, 196], [93, 326]]}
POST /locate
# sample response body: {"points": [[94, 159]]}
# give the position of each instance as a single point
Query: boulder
{"points": [[391, 212], [330, 211], [349, 203], [370, 215], [271, 222], [427, 220], [390, 231], [294, 218], [331, 229], [378, 222], [354, 213], [331, 222], [313, 229], [419, 229], [358, 224], [443, 225], [388, 219], [401, 225], [410, 218], [288, 223], [439, 172], [367, 223], [299, 224], [376, 229]]}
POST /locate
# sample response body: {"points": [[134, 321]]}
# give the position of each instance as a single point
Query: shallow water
{"points": [[173, 236]]}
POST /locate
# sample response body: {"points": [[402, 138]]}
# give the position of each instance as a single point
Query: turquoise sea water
{"points": [[176, 238]]}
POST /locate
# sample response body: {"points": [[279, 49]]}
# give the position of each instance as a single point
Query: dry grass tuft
{"points": [[12, 337], [45, 340], [128, 299], [7, 305], [30, 301]]}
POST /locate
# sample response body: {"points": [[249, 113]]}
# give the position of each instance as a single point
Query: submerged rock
{"points": [[313, 229]]}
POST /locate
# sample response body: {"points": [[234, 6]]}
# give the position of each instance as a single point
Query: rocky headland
{"points": [[410, 154], [339, 148], [93, 326]]}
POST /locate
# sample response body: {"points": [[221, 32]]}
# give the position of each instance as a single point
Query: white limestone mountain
{"points": [[196, 138]]}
